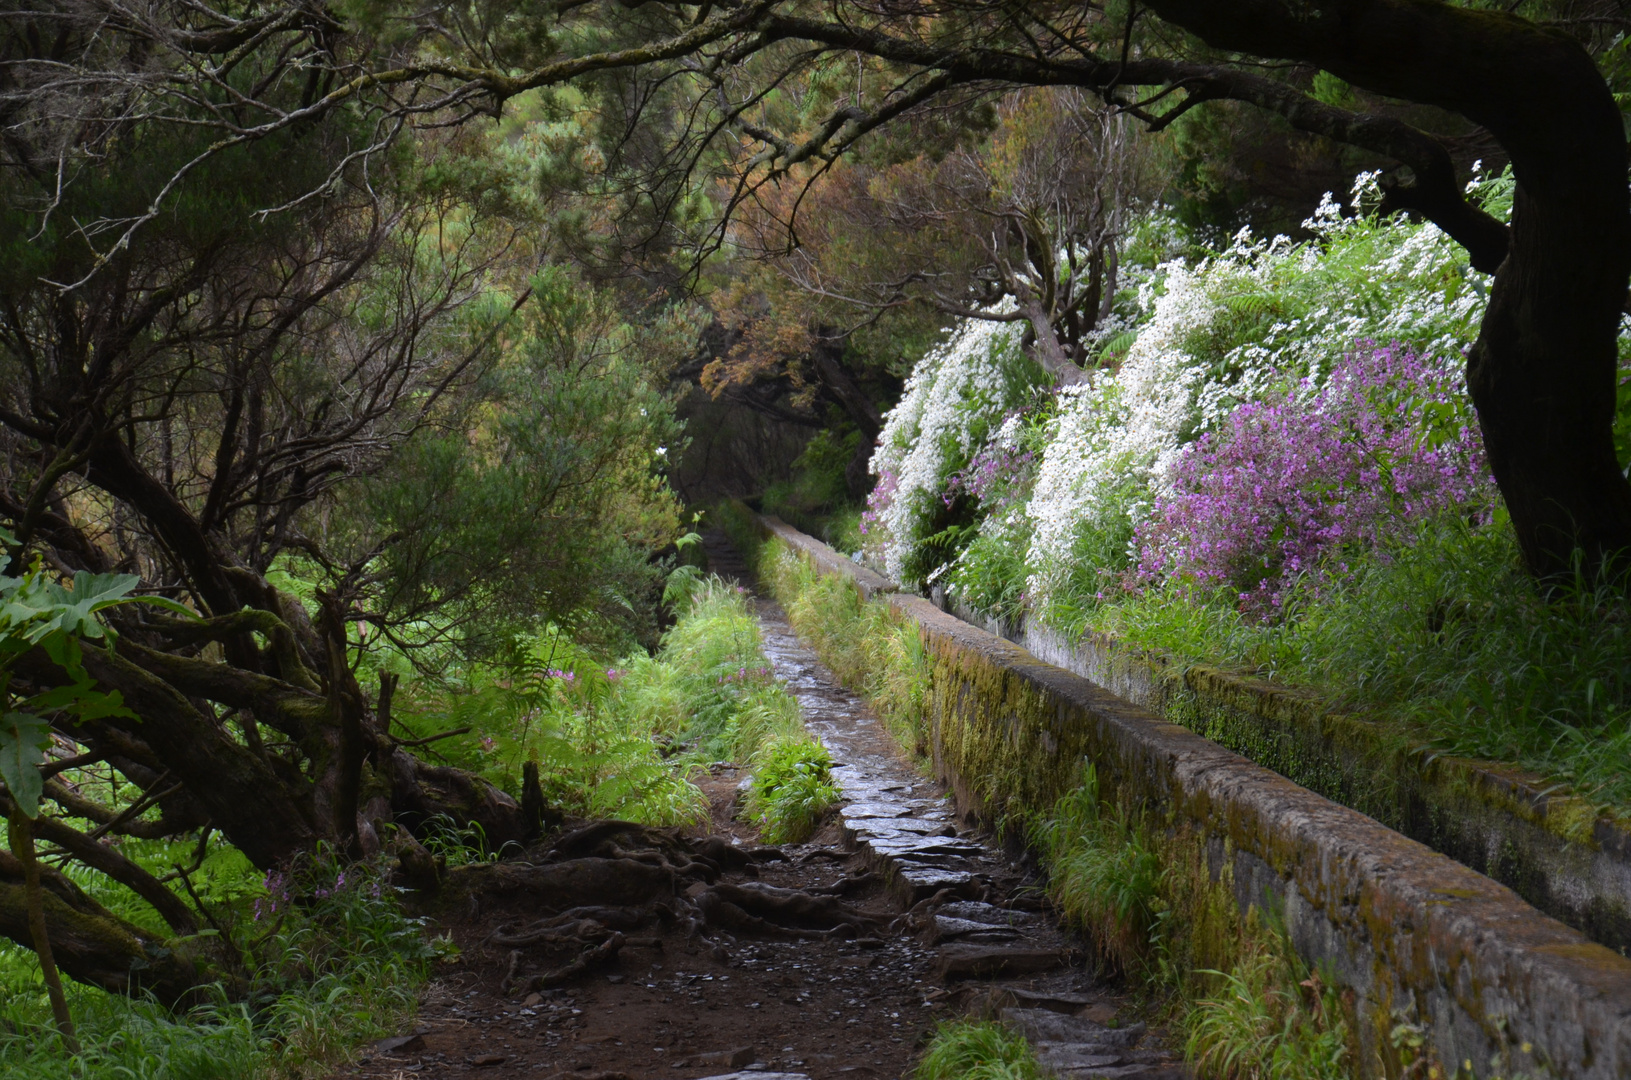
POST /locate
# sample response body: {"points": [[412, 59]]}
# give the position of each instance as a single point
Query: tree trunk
{"points": [[1542, 373], [93, 946]]}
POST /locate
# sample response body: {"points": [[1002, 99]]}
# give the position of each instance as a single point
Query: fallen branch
{"points": [[428, 739]]}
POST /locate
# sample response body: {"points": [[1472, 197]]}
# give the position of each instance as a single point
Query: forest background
{"points": [[363, 370]]}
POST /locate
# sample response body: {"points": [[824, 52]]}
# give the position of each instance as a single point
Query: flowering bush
{"points": [[1219, 334], [1289, 487], [954, 398]]}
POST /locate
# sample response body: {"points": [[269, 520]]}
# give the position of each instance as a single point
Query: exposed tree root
{"points": [[846, 885], [589, 924], [765, 909], [588, 959]]}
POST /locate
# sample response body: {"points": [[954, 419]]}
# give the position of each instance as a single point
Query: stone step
{"points": [[911, 883], [1047, 1026], [899, 826], [990, 914], [947, 927]]}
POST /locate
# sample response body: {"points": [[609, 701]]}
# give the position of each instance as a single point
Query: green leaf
{"points": [[23, 741]]}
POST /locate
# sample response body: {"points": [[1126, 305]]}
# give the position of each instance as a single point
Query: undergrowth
{"points": [[624, 741], [1450, 639], [1246, 1005], [1102, 875], [977, 1050], [792, 790], [331, 958]]}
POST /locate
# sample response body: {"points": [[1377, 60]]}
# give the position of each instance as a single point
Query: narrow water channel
{"points": [[1000, 953]]}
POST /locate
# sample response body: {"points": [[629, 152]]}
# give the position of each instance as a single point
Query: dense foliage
{"points": [[625, 739]]}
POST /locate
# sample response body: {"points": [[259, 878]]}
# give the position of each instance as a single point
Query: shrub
{"points": [[956, 397], [792, 790], [1292, 487]]}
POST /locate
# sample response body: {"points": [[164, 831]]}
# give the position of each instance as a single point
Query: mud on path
{"points": [[945, 924]]}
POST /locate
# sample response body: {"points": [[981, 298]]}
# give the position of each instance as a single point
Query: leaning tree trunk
{"points": [[1542, 373], [96, 947]]}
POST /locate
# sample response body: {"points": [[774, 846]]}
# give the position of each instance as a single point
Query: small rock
{"points": [[401, 1045], [488, 1060], [614, 979], [732, 1059]]}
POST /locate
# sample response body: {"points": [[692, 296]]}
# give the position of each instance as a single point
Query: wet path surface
{"points": [[997, 951]]}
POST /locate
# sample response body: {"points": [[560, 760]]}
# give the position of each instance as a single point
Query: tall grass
{"points": [[1102, 876], [1269, 1018], [977, 1050]]}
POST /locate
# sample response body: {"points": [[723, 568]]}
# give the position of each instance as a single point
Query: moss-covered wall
{"points": [[1556, 851], [1421, 940]]}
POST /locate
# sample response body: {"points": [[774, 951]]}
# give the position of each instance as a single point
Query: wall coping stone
{"points": [[1557, 850]]}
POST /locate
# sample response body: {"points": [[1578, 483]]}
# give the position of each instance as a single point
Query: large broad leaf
{"points": [[77, 605], [23, 741]]}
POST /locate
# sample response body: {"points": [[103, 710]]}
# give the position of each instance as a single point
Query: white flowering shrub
{"points": [[956, 396], [1259, 316], [1192, 340]]}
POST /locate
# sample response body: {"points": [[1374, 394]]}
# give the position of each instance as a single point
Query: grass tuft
{"points": [[978, 1050]]}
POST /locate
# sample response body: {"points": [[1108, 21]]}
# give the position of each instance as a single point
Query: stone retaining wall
{"points": [[1556, 850], [1418, 937]]}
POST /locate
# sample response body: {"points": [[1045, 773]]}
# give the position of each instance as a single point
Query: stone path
{"points": [[999, 953]]}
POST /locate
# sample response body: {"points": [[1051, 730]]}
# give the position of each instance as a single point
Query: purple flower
{"points": [[1290, 485]]}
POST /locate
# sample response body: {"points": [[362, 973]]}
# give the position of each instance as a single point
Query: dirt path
{"points": [[687, 1004]]}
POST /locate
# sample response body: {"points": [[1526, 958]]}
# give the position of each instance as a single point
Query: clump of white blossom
{"points": [[1211, 335], [956, 395]]}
